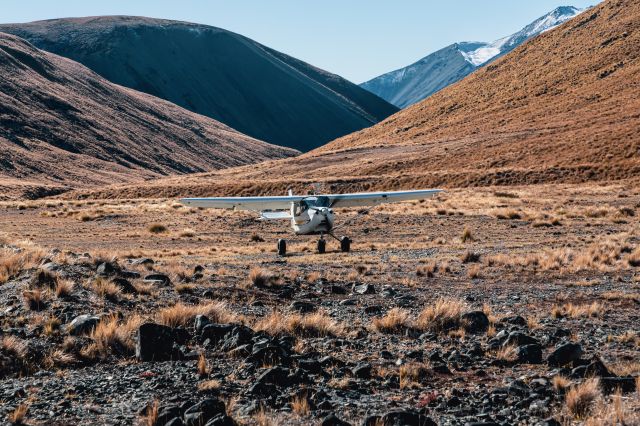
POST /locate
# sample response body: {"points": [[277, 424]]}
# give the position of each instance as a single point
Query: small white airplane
{"points": [[309, 214]]}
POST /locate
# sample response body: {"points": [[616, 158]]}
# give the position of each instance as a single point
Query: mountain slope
{"points": [[249, 87], [62, 125], [562, 107], [438, 70]]}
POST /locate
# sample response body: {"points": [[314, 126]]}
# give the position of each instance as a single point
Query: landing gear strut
{"points": [[345, 244], [322, 245], [282, 247]]}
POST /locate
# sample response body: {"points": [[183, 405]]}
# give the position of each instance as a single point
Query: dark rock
{"points": [[302, 307], [625, 384], [167, 414], [156, 343], [176, 421], [514, 320], [336, 289], [406, 418], [200, 322], [564, 354], [221, 420], [143, 261], [373, 310], [239, 335], [517, 338], [83, 324], [362, 370], [278, 376], [310, 365], [475, 322], [158, 278], [441, 368], [124, 285], [530, 354], [333, 420], [348, 302], [198, 269], [203, 411], [107, 269], [363, 289], [215, 332], [597, 369], [550, 422]]}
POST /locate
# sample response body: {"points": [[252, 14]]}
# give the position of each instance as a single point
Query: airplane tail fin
{"points": [[290, 192]]}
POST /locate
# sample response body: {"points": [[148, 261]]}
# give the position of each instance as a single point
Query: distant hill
{"points": [[237, 81], [438, 70], [62, 126], [561, 108]]}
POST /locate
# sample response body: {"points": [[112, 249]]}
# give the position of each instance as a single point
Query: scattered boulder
{"points": [[530, 354], [124, 285], [612, 384], [302, 307], [475, 322], [333, 420], [156, 343], [200, 413], [565, 354], [363, 289], [161, 279], [362, 370], [83, 324], [107, 269], [518, 338]]}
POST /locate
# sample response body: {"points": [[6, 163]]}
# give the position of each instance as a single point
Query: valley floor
{"points": [[448, 309]]}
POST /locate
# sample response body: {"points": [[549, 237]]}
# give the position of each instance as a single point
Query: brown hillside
{"points": [[563, 107], [61, 125]]}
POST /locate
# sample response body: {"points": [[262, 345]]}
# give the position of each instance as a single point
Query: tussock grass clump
{"points": [[64, 288], [634, 258], [18, 416], [12, 262], [157, 228], [259, 277], [470, 257], [443, 315], [44, 278], [474, 272], [14, 346], [593, 310], [560, 383], [183, 315], [427, 270], [395, 321], [317, 324], [412, 374], [34, 300], [202, 366], [106, 289], [466, 235], [300, 405], [256, 238], [507, 353], [580, 399], [150, 417], [112, 335], [187, 233]]}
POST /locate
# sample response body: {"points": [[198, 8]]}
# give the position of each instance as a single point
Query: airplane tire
{"points": [[322, 246], [345, 244], [282, 247]]}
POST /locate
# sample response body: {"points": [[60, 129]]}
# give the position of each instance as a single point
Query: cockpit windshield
{"points": [[315, 202]]}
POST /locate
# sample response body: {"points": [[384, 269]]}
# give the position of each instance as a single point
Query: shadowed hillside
{"points": [[563, 107], [249, 87], [61, 125]]}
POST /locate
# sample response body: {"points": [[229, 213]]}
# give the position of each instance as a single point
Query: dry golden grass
{"points": [[443, 315], [202, 366], [34, 300], [634, 258], [18, 416], [470, 257], [187, 233], [428, 269], [114, 336], [581, 398], [14, 346], [466, 235], [59, 359], [12, 261], [182, 315], [51, 326], [209, 385], [560, 383], [150, 417], [106, 289], [157, 228], [474, 272], [300, 406], [185, 288], [317, 324], [592, 310], [507, 353], [394, 321], [411, 375], [619, 295], [259, 277], [64, 288]]}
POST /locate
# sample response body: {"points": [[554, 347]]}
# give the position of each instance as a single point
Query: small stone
{"points": [[302, 307], [363, 289], [158, 278], [82, 324], [362, 370], [333, 420], [475, 322]]}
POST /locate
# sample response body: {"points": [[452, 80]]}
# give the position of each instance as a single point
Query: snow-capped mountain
{"points": [[438, 70]]}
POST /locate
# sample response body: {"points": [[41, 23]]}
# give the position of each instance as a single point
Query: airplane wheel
{"points": [[345, 244], [282, 247], [322, 246]]}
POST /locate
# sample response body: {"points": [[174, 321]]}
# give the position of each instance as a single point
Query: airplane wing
{"points": [[257, 204], [261, 204], [375, 198]]}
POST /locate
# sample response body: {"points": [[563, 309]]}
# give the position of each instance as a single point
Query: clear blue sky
{"points": [[358, 39]]}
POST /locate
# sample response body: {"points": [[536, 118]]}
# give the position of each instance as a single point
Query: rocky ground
{"points": [[481, 307]]}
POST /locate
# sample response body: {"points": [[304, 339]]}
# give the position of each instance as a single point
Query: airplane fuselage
{"points": [[312, 216]]}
